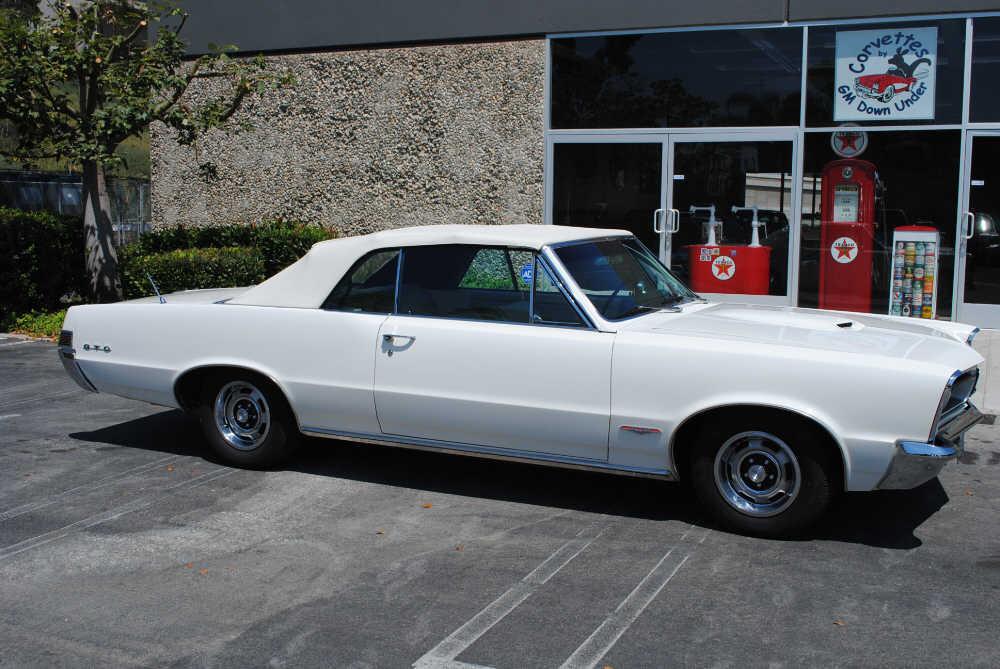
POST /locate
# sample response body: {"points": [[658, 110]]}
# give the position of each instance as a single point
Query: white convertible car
{"points": [[565, 346]]}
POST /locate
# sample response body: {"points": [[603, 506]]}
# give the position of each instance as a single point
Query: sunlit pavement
{"points": [[121, 544]]}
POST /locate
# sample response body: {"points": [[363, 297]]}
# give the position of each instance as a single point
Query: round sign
{"points": [[844, 250], [849, 143], [723, 268]]}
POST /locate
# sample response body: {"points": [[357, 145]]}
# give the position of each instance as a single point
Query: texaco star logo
{"points": [[844, 250], [723, 268]]}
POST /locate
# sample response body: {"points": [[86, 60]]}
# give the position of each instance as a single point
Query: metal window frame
{"points": [[967, 128]]}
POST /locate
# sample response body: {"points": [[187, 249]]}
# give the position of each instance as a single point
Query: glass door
{"points": [[978, 245], [663, 187], [737, 207], [610, 181]]}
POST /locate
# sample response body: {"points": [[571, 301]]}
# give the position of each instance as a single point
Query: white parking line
{"points": [[110, 514], [93, 485], [615, 625], [443, 655], [40, 398], [8, 416], [5, 343], [601, 640]]}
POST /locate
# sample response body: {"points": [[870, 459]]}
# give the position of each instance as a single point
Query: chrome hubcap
{"points": [[242, 415], [757, 474]]}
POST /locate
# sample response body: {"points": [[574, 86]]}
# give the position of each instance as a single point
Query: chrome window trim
{"points": [[558, 281]]}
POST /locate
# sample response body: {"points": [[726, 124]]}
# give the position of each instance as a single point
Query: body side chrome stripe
{"points": [[454, 448]]}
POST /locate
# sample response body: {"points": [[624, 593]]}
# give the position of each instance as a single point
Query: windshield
{"points": [[622, 278]]}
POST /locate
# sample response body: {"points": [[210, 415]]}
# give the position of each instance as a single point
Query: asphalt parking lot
{"points": [[121, 544]]}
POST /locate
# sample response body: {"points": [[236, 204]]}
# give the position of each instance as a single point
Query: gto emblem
{"points": [[96, 347], [844, 250]]}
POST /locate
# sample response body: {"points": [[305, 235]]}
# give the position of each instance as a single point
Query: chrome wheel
{"points": [[242, 415], [757, 474]]}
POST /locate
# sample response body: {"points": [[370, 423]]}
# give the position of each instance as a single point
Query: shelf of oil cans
{"points": [[914, 272]]}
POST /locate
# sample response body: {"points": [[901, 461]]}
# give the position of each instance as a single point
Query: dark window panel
{"points": [[681, 79], [985, 95]]}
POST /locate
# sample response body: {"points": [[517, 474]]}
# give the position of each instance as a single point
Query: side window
{"points": [[551, 306], [369, 286], [462, 281], [489, 269]]}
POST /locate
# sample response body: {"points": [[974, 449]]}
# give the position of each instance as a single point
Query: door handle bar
{"points": [[971, 225], [390, 337], [657, 221], [675, 221]]}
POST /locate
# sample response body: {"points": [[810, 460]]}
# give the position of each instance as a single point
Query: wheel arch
{"points": [[187, 384], [682, 440]]}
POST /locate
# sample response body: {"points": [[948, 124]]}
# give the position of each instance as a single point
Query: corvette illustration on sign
{"points": [[564, 346]]}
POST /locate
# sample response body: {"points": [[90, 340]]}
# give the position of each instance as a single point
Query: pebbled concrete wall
{"points": [[371, 139]]}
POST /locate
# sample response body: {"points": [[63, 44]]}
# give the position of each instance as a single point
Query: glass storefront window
{"points": [[984, 100], [915, 184], [679, 79], [905, 73], [724, 175]]}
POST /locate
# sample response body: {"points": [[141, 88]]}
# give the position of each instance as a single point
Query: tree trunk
{"points": [[101, 259]]}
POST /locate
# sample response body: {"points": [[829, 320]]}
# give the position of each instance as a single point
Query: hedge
{"points": [[280, 243], [187, 269], [43, 261]]}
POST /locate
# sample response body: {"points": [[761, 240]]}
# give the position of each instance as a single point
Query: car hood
{"points": [[842, 332]]}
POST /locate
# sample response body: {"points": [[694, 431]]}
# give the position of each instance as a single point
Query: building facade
{"points": [[803, 152]]}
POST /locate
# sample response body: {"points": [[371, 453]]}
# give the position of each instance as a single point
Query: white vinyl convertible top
{"points": [[307, 282]]}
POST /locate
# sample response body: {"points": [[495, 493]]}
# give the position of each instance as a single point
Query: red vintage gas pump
{"points": [[730, 268], [847, 235]]}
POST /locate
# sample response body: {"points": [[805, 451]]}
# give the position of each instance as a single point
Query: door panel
{"points": [[503, 385], [981, 228]]}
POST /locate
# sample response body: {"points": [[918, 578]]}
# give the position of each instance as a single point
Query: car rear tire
{"points": [[246, 420], [766, 477], [888, 94]]}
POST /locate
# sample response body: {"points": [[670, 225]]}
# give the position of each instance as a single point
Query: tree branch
{"points": [[162, 109]]}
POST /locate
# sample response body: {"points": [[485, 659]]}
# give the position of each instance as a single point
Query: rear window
{"points": [[369, 286]]}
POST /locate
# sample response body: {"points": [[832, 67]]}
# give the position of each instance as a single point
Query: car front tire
{"points": [[766, 478], [246, 420]]}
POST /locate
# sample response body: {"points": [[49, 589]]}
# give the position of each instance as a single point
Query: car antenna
{"points": [[155, 289]]}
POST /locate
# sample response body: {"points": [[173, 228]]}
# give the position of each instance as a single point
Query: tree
{"points": [[78, 80]]}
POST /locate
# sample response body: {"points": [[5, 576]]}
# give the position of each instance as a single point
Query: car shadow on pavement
{"points": [[884, 519]]}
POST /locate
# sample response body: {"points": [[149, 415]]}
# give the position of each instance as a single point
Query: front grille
{"points": [[66, 338]]}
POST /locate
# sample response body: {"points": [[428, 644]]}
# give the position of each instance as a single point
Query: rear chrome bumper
{"points": [[67, 355], [915, 462]]}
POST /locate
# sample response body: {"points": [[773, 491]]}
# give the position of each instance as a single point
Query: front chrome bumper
{"points": [[915, 462]]}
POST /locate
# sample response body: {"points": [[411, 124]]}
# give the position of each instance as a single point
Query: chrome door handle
{"points": [[971, 226], [389, 338], [675, 221], [657, 221]]}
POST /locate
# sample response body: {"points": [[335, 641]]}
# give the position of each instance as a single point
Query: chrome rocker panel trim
{"points": [[914, 462], [509, 455]]}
